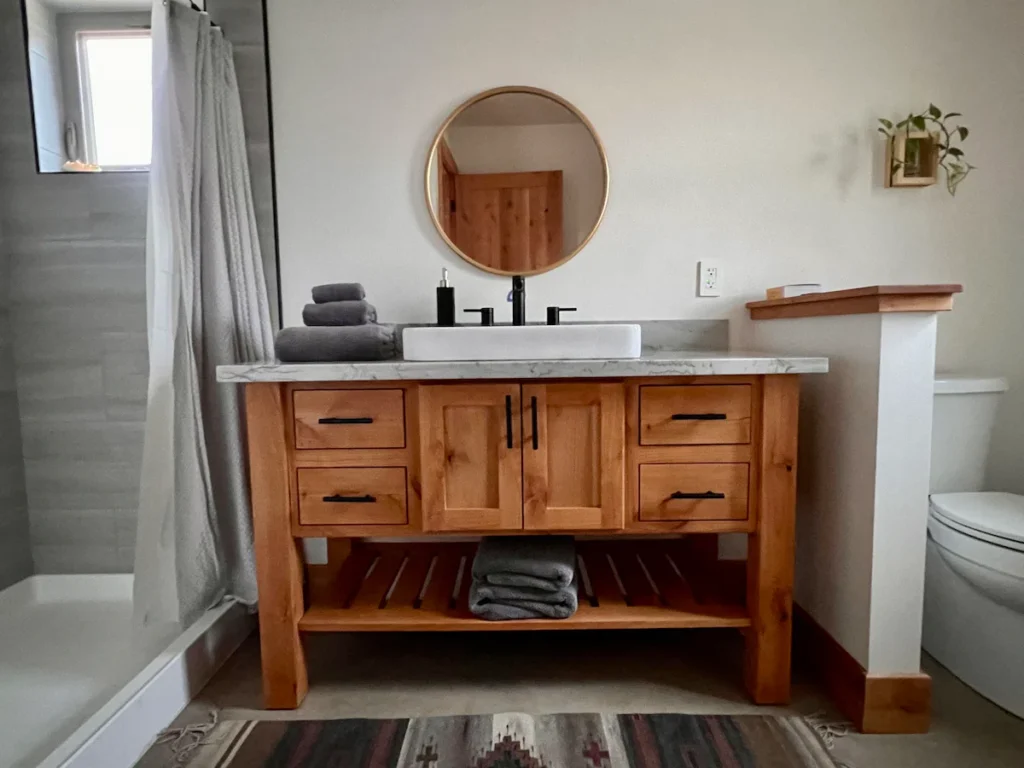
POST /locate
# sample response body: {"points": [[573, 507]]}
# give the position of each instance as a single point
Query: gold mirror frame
{"points": [[485, 95]]}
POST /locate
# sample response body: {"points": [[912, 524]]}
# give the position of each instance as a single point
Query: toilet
{"points": [[974, 574]]}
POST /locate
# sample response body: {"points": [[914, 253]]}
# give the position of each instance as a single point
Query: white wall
{"points": [[862, 479], [557, 147], [835, 470], [906, 395], [743, 131]]}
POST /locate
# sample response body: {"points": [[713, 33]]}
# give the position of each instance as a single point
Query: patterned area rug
{"points": [[500, 741]]}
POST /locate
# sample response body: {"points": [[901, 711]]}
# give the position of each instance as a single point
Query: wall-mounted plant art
{"points": [[920, 144]]}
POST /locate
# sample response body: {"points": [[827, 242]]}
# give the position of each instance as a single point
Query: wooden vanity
{"points": [[640, 469]]}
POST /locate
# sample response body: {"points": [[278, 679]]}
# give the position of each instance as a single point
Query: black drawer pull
{"points": [[357, 420], [367, 499], [536, 439], [508, 420], [698, 417], [705, 495]]}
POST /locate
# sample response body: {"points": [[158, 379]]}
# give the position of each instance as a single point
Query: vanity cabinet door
{"points": [[573, 456], [472, 461]]}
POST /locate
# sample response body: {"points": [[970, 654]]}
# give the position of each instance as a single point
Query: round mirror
{"points": [[517, 181]]}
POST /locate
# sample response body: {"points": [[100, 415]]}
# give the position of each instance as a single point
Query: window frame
{"points": [[87, 122]]}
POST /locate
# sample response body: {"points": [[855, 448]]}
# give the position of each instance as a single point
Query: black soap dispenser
{"points": [[445, 302]]}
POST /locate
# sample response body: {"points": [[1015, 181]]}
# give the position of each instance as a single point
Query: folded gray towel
{"points": [[518, 594], [485, 603], [338, 292], [339, 313], [325, 344], [540, 562]]}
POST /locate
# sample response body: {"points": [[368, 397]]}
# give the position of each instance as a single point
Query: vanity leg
{"points": [[770, 548], [279, 562]]}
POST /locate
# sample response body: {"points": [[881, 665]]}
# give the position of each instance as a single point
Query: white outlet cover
{"points": [[709, 278]]}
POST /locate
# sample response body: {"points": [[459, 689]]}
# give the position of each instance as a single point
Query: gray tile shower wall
{"points": [[15, 546], [78, 311]]}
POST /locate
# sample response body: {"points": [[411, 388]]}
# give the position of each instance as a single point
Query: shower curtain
{"points": [[207, 305]]}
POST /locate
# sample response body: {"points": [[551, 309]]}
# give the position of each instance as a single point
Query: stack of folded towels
{"points": [[524, 577], [340, 325]]}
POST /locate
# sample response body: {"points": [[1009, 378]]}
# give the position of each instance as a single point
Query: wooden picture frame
{"points": [[912, 159]]}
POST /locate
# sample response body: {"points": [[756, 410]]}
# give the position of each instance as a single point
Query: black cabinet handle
{"points": [[705, 495], [508, 420], [533, 406], [698, 417], [358, 420], [367, 499]]}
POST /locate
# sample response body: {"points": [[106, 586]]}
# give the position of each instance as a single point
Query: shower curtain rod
{"points": [[197, 9]]}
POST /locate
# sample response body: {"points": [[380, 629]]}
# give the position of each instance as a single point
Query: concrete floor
{"points": [[696, 672]]}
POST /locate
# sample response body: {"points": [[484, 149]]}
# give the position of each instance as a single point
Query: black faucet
{"points": [[518, 300]]}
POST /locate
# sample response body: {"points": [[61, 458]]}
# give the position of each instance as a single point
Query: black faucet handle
{"points": [[486, 315], [555, 314]]}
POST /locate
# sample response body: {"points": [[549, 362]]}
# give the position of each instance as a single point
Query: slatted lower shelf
{"points": [[624, 585]]}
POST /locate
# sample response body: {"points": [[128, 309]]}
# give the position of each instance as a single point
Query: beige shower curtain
{"points": [[207, 305]]}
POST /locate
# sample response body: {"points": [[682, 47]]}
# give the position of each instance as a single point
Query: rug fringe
{"points": [[828, 730], [188, 738]]}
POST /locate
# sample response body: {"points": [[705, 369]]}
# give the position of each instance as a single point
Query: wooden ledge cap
{"points": [[859, 301]]}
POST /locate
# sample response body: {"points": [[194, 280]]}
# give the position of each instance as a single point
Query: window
{"points": [[115, 71]]}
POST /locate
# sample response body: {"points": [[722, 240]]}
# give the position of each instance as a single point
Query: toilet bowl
{"points": [[974, 572]]}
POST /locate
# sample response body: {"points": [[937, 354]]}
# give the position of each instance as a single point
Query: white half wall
{"points": [[743, 131], [862, 479], [835, 470], [906, 396]]}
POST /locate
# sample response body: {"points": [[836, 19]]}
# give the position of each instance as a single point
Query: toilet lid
{"points": [[997, 514]]}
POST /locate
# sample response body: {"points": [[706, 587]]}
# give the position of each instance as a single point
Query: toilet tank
{"points": [[964, 414]]}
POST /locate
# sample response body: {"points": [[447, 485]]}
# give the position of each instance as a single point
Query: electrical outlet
{"points": [[709, 278]]}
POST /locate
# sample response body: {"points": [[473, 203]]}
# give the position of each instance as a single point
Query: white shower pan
{"points": [[79, 689]]}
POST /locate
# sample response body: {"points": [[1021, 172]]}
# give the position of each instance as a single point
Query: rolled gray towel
{"points": [[549, 605], [326, 344], [338, 292], [339, 313], [540, 562]]}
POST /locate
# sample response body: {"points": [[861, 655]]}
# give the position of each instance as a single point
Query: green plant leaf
{"points": [[934, 111], [886, 123], [956, 152], [883, 131], [918, 122], [901, 124], [953, 114], [962, 130]]}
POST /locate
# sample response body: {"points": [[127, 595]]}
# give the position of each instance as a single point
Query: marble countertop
{"points": [[650, 363]]}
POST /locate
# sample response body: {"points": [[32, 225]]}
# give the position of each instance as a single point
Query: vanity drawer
{"points": [[349, 418], [697, 415], [353, 496], [693, 491]]}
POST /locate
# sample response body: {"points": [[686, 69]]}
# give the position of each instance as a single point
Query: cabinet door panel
{"points": [[573, 456], [471, 440]]}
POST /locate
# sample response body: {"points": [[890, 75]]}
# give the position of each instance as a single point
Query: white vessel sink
{"points": [[523, 342]]}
